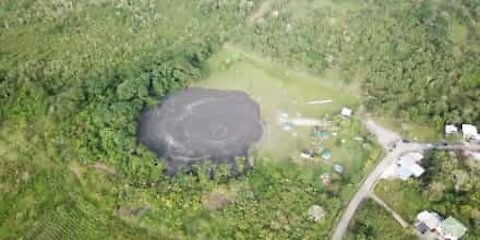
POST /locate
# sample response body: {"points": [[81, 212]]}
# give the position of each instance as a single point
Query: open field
{"points": [[381, 226]]}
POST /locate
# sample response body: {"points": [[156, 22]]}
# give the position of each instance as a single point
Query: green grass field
{"points": [[381, 226]]}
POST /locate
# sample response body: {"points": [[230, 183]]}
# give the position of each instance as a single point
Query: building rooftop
{"points": [[326, 154], [347, 112], [450, 128], [412, 157], [469, 131], [408, 165], [404, 173], [430, 219], [452, 227]]}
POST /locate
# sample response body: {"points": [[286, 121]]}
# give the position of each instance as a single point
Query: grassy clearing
{"points": [[382, 226]]}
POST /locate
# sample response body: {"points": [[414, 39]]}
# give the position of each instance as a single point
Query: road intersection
{"points": [[394, 148]]}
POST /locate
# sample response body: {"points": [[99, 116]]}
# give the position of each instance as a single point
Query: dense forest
{"points": [[449, 187]]}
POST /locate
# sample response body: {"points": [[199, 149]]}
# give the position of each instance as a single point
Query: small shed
{"points": [[326, 154], [346, 112], [338, 168], [306, 154], [286, 126], [316, 213], [450, 129]]}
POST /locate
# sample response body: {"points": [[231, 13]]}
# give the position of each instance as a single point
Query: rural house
{"points": [[432, 225], [409, 165], [469, 131], [450, 129]]}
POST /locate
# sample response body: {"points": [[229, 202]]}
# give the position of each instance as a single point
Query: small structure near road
{"points": [[475, 156], [338, 168], [432, 225], [470, 132], [306, 154], [409, 165], [326, 154], [452, 229], [450, 129], [427, 222], [346, 112]]}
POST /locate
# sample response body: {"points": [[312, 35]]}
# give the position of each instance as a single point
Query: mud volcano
{"points": [[201, 124]]}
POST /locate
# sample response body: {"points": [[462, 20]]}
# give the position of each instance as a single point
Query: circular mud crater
{"points": [[199, 124]]}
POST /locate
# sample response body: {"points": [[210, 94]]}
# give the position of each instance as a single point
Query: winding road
{"points": [[394, 148]]}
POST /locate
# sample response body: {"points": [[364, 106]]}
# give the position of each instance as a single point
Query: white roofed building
{"points": [[450, 129], [346, 112], [431, 220], [469, 131]]}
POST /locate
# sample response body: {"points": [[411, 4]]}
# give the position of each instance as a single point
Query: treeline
{"points": [[416, 60]]}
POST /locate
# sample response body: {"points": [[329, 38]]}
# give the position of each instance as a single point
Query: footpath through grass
{"points": [[381, 226]]}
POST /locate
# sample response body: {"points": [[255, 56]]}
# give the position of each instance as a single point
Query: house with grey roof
{"points": [[427, 221], [450, 129], [408, 165]]}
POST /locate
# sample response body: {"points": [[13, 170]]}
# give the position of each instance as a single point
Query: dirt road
{"points": [[367, 186]]}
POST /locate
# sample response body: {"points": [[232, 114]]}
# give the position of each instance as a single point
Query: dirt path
{"points": [[395, 215]]}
